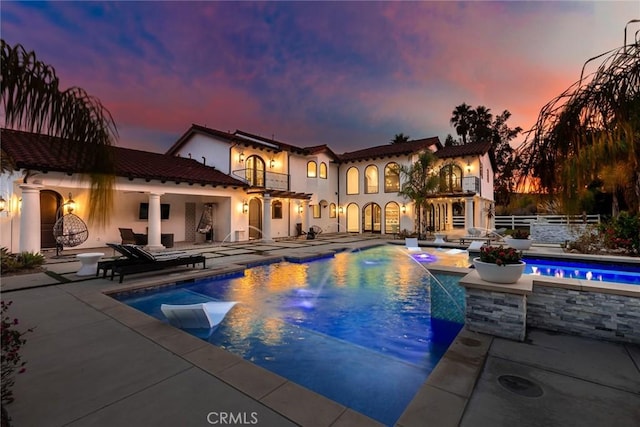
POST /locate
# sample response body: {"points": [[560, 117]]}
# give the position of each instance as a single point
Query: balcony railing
{"points": [[267, 180]]}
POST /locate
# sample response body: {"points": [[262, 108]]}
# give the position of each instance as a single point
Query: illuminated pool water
{"points": [[355, 328]]}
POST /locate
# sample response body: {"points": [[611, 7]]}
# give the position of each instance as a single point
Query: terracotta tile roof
{"points": [[390, 150], [199, 129], [472, 149], [42, 152]]}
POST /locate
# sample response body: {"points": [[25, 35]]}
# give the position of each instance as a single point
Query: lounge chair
{"points": [[126, 258], [130, 238], [150, 262], [204, 315], [411, 243]]}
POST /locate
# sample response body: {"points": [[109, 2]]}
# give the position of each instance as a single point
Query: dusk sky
{"points": [[346, 74]]}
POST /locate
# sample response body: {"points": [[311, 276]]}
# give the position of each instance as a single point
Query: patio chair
{"points": [[130, 238], [411, 243], [126, 257], [204, 315], [150, 262]]}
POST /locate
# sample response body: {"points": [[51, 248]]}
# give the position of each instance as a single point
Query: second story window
{"points": [[392, 178], [371, 179], [352, 181], [323, 170], [254, 171], [312, 169], [450, 178]]}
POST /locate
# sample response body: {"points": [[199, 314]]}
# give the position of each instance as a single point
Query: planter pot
{"points": [[519, 244], [509, 273]]}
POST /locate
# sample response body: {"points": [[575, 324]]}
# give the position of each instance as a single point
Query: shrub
{"points": [[30, 259], [519, 234], [12, 341], [500, 255]]}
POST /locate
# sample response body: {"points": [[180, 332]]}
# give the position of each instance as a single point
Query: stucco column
{"points": [[30, 218], [449, 215], [468, 213], [154, 227], [266, 219]]}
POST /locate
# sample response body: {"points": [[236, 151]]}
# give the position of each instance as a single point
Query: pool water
{"points": [[626, 274], [355, 328]]}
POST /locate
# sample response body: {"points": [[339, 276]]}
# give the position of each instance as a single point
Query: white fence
{"points": [[522, 221]]}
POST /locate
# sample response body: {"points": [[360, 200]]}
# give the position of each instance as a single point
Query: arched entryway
{"points": [[372, 218], [255, 219], [255, 171], [353, 218], [50, 202]]}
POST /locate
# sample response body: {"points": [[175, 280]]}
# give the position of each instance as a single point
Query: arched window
{"points": [[312, 169], [450, 178], [323, 170], [391, 218], [276, 209], [353, 218], [254, 172], [332, 210], [352, 181], [371, 179], [392, 178]]}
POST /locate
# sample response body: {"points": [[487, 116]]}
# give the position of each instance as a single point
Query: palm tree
{"points": [[32, 101], [400, 138], [461, 120], [480, 124], [419, 180], [590, 133]]}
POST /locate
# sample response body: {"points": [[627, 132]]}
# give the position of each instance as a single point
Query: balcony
{"points": [[471, 184], [262, 179]]}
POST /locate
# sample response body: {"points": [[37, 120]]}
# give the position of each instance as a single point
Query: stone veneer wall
{"points": [[496, 313], [555, 233], [591, 314]]}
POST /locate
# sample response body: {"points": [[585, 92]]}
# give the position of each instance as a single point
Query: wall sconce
{"points": [[403, 208], [241, 157], [3, 204], [340, 209], [245, 207], [272, 163], [71, 204], [468, 166], [300, 209]]}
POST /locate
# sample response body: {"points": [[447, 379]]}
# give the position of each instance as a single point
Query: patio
{"points": [[94, 361]]}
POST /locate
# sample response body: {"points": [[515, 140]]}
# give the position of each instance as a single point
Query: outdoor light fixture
{"points": [[3, 204], [272, 163], [245, 207], [300, 209], [341, 209], [404, 209], [468, 166], [71, 204], [241, 157]]}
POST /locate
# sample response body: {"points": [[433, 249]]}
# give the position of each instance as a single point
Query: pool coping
{"points": [[443, 395]]}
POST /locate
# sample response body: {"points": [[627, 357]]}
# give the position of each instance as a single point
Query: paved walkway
{"points": [[94, 361]]}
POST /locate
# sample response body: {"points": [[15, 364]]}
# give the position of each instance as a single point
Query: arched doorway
{"points": [[371, 218], [353, 218], [254, 173], [255, 219], [50, 202]]}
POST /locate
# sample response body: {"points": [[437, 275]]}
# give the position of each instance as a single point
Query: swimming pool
{"points": [[356, 328]]}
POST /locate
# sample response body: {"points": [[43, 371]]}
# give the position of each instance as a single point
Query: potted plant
{"points": [[498, 264], [519, 239]]}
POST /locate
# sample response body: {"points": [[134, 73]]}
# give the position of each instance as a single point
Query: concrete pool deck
{"points": [[94, 361]]}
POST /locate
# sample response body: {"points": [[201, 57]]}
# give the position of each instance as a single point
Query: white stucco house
{"points": [[222, 186]]}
